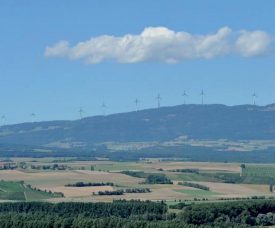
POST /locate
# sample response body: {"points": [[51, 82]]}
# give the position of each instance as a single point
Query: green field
{"points": [[259, 171], [119, 166], [191, 177], [17, 190], [197, 192]]}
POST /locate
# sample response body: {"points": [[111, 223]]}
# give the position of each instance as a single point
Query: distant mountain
{"points": [[212, 122]]}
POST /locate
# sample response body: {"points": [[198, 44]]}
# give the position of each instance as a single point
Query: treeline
{"points": [[49, 167], [89, 184], [109, 193], [139, 174], [194, 185], [52, 194], [137, 190], [157, 179], [150, 178], [122, 191], [8, 166], [185, 170]]}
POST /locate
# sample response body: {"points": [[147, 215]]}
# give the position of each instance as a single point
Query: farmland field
{"points": [[223, 179], [259, 170], [17, 190], [197, 192]]}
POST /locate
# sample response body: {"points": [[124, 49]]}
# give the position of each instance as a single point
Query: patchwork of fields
{"points": [[223, 179], [17, 190]]}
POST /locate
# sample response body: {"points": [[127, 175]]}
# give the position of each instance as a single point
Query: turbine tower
{"points": [[136, 102], [103, 106], [80, 111], [158, 99], [202, 96], [3, 120], [184, 97], [33, 115], [254, 96]]}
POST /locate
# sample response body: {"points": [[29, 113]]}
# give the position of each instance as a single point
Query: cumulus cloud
{"points": [[255, 43], [161, 44]]}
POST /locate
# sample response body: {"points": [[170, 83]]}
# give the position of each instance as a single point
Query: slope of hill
{"points": [[211, 122]]}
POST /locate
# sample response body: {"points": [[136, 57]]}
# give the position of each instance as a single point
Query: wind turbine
{"points": [[104, 107], [202, 96], [33, 115], [184, 97], [137, 102], [3, 119], [254, 96], [158, 99], [80, 111]]}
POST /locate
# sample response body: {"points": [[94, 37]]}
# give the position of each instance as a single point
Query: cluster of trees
{"points": [[109, 193], [139, 174], [150, 178], [8, 166], [233, 198], [194, 185], [137, 190], [122, 191], [185, 170], [157, 179], [89, 184], [248, 198], [49, 167], [22, 165]]}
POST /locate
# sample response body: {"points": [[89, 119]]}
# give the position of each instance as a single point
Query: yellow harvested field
{"points": [[55, 180], [58, 178], [236, 190], [74, 192]]}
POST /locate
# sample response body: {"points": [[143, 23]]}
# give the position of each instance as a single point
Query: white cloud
{"points": [[161, 44], [60, 49], [254, 43]]}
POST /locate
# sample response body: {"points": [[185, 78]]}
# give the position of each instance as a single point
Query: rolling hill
{"points": [[200, 122]]}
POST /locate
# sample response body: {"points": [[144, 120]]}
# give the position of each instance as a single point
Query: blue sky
{"points": [[55, 86]]}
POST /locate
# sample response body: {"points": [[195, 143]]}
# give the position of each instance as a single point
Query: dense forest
{"points": [[136, 214]]}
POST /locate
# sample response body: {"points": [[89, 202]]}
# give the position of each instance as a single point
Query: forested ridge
{"points": [[137, 214], [162, 124]]}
